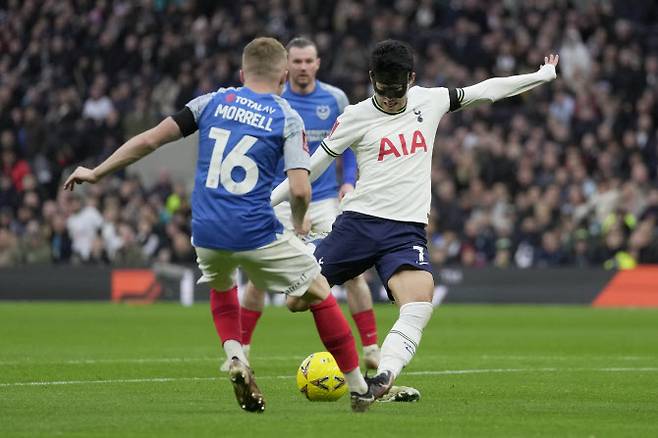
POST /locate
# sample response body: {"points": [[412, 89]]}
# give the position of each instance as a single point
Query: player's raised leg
{"points": [[412, 291], [359, 301]]}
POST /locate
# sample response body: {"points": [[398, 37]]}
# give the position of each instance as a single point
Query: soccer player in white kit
{"points": [[384, 218]]}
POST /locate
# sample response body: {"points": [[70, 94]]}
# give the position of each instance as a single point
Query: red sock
{"points": [[248, 320], [335, 333], [365, 322], [225, 310]]}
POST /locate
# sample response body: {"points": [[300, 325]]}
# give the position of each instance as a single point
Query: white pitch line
{"points": [[93, 382], [133, 360], [565, 357], [410, 373], [30, 361]]}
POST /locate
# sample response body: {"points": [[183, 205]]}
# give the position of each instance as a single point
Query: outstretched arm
{"points": [[495, 89], [131, 151]]}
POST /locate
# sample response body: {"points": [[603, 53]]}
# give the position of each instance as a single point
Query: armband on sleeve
{"points": [[185, 121]]}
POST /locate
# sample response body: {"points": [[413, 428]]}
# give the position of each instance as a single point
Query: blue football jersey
{"points": [[319, 110], [243, 136]]}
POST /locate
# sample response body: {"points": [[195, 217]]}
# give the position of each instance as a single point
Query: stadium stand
{"points": [[564, 176]]}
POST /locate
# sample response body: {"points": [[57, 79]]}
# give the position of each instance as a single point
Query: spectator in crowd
{"points": [[9, 255], [34, 247], [61, 245], [98, 106], [83, 226]]}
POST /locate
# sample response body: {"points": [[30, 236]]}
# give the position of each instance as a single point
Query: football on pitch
{"points": [[320, 379]]}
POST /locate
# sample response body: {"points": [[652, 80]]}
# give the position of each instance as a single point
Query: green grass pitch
{"points": [[100, 369]]}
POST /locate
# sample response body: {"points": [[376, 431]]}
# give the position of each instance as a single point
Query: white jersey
{"points": [[393, 153]]}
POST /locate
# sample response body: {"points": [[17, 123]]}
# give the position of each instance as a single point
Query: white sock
{"points": [[402, 341], [356, 382], [233, 348]]}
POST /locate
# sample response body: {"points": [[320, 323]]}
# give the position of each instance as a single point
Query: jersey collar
{"points": [[400, 111]]}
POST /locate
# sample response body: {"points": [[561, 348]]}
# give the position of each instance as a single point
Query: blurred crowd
{"points": [[565, 175]]}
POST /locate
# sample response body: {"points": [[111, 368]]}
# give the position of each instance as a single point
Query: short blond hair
{"points": [[265, 58]]}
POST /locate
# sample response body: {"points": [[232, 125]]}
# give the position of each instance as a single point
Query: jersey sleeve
{"points": [[295, 146], [198, 104], [341, 100], [187, 119], [439, 98], [494, 89], [345, 133]]}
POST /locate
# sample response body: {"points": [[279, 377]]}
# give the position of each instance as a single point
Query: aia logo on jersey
{"points": [[389, 147], [333, 128], [305, 142], [230, 98], [323, 112]]}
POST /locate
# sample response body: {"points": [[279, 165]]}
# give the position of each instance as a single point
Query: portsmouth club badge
{"points": [[323, 111]]}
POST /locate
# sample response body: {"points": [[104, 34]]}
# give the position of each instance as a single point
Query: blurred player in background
{"points": [[243, 134], [319, 105], [384, 218]]}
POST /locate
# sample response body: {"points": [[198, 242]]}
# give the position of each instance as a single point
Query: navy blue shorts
{"points": [[359, 241]]}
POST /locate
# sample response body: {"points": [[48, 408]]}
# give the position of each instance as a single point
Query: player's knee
{"points": [[421, 296], [253, 298], [357, 285], [221, 285], [410, 286], [296, 304], [319, 289]]}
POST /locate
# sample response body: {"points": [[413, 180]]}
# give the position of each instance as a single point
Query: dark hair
{"points": [[300, 42], [391, 57]]}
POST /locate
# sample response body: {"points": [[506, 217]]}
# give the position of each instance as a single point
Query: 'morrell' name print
{"points": [[400, 147]]}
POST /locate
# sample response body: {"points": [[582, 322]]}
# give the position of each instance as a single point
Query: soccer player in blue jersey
{"points": [[243, 133], [319, 104]]}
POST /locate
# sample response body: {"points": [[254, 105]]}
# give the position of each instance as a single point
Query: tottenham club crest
{"points": [[323, 111], [418, 114]]}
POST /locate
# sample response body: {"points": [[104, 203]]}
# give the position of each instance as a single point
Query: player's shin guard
{"points": [[225, 309], [402, 341], [248, 321], [338, 340], [367, 326]]}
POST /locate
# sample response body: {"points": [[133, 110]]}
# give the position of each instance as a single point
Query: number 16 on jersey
{"points": [[221, 170]]}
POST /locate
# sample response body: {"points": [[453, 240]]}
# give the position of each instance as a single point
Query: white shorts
{"points": [[285, 266], [322, 214]]}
